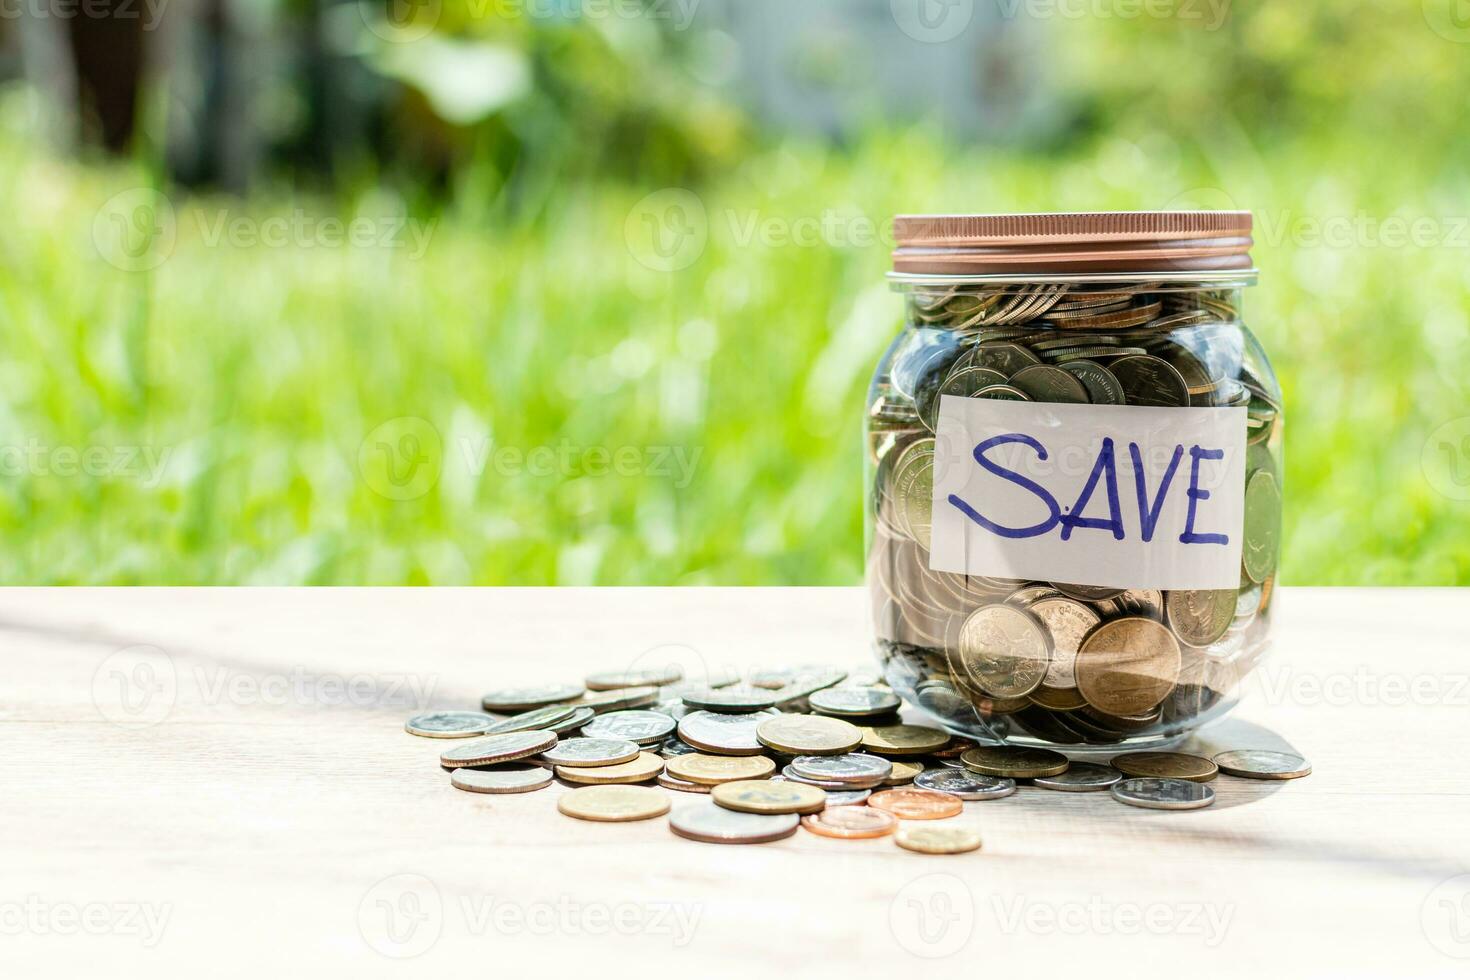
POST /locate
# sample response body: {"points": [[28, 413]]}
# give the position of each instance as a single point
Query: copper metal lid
{"points": [[1103, 241]]}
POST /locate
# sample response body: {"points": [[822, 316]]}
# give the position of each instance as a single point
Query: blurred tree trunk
{"points": [[107, 52]]}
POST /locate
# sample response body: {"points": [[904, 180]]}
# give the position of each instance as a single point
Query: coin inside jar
{"points": [[613, 804], [713, 769], [946, 838], [808, 735], [764, 796], [851, 823], [1262, 764], [1127, 666], [1014, 761], [916, 804], [1004, 650], [714, 824]]}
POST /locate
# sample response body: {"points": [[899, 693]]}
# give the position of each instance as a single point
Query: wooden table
{"points": [[242, 801]]}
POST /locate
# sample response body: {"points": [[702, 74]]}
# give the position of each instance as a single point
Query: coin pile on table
{"points": [[809, 748], [1058, 662]]}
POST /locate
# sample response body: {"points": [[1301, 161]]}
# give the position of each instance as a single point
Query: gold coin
{"points": [[1127, 666], [850, 823], [908, 803], [937, 838], [711, 770], [618, 699], [1014, 761], [614, 804], [764, 796], [1166, 765], [904, 739], [682, 785], [903, 772], [640, 770], [808, 735]]}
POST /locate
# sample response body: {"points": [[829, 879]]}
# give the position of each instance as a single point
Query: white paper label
{"points": [[1112, 495]]}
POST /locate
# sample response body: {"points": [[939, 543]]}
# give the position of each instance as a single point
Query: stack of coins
{"points": [[1053, 661], [768, 772]]}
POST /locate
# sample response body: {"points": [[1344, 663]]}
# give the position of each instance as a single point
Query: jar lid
{"points": [[1100, 241]]}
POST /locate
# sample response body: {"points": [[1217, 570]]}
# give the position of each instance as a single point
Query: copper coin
{"points": [[851, 823], [908, 803], [1014, 761], [1165, 765]]}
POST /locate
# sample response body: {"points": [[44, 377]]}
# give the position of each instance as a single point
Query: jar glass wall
{"points": [[1056, 660]]}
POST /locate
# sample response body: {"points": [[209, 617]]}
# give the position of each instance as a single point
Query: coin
{"points": [[854, 702], [847, 797], [639, 770], [764, 796], [913, 489], [851, 823], [591, 752], [524, 698], [722, 734], [682, 785], [808, 735], [1127, 666], [449, 724], [1014, 761], [537, 719], [613, 680], [643, 727], [1045, 383], [496, 748], [619, 699], [1081, 777], [730, 699], [573, 721], [614, 804], [1103, 387], [675, 746], [903, 740], [501, 779], [1057, 698], [717, 825], [1262, 526], [1004, 650], [1067, 622], [1199, 617], [949, 838], [854, 769], [904, 771], [1150, 380], [908, 803], [1004, 393], [714, 769], [965, 785], [1163, 794], [1262, 764], [1005, 358]]}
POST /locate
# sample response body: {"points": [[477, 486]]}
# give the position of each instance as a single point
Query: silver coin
{"points": [[449, 724], [506, 779], [853, 770], [730, 699], [848, 797], [613, 680], [643, 727], [1163, 794], [716, 825], [591, 752], [675, 746], [525, 698], [965, 785], [539, 718], [803, 685], [1262, 764], [490, 749], [573, 721], [722, 734], [827, 784], [854, 701], [1081, 777]]}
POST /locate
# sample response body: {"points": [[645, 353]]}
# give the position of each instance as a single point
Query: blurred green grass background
{"points": [[255, 373]]}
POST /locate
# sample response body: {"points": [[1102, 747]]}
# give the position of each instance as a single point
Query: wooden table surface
{"points": [[236, 797]]}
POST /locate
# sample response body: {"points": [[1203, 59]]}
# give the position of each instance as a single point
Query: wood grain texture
{"points": [[264, 816]]}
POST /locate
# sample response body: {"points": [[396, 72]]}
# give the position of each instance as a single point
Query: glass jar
{"points": [[1074, 476]]}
